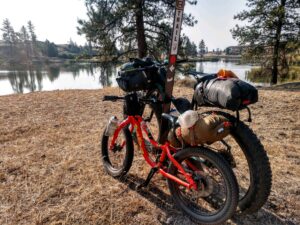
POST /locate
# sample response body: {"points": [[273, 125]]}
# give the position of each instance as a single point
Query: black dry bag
{"points": [[227, 93]]}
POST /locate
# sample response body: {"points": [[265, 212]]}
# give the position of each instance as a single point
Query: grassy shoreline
{"points": [[51, 172], [260, 75]]}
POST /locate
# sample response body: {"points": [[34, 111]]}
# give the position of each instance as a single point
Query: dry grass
{"points": [[51, 172], [186, 82]]}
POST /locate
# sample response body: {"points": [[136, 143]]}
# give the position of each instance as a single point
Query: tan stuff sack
{"points": [[174, 141], [197, 130]]}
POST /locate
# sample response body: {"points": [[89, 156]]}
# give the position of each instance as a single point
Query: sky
{"points": [[56, 20]]}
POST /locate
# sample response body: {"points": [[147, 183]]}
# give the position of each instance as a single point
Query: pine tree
{"points": [[24, 39], [6, 29], [9, 36], [50, 49], [142, 26], [33, 37], [31, 30], [202, 48], [73, 47], [188, 48], [271, 24]]}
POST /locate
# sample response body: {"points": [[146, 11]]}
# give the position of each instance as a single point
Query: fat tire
{"points": [[259, 166], [223, 166], [117, 173]]}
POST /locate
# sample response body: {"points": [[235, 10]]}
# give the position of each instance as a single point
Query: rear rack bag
{"points": [[228, 93]]}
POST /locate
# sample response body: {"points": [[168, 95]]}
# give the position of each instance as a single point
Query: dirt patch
{"points": [[51, 172]]}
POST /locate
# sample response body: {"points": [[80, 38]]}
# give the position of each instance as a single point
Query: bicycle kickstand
{"points": [[149, 177]]}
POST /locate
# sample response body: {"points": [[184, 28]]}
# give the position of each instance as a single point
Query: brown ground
{"points": [[51, 173]]}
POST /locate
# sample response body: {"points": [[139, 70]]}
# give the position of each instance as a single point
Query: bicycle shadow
{"points": [[159, 198], [164, 202]]}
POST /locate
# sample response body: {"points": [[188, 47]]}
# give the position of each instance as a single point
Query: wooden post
{"points": [[169, 83], [178, 18]]}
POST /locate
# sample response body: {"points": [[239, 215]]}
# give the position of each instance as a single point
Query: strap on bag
{"points": [[192, 135]]}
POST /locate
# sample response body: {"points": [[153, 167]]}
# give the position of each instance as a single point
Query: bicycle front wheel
{"points": [[117, 161]]}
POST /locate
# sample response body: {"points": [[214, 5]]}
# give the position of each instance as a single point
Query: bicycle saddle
{"points": [[172, 120], [181, 104]]}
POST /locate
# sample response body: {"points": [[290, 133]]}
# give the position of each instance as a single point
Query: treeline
{"points": [[270, 31], [271, 35], [23, 45], [142, 27], [24, 41], [68, 51], [190, 49]]}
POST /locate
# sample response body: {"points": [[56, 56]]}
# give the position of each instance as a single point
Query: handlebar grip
{"points": [[111, 98]]}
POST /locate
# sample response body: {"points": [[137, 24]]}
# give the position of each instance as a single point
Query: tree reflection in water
{"points": [[106, 72], [26, 79], [53, 73], [201, 67], [31, 78]]}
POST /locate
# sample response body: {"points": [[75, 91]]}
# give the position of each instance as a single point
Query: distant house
{"points": [[234, 50]]}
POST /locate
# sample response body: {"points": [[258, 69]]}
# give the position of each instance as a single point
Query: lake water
{"points": [[83, 76]]}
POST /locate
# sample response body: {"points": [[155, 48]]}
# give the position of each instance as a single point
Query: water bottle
{"points": [[111, 126]]}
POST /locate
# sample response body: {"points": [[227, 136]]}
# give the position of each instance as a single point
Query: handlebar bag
{"points": [[227, 93], [132, 77], [132, 106]]}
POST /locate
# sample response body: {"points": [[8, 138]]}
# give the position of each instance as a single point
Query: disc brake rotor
{"points": [[205, 185]]}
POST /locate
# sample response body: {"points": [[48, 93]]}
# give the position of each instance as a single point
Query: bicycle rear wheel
{"points": [[252, 167], [117, 161], [216, 197]]}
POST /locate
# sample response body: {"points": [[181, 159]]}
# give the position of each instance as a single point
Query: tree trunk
{"points": [[11, 51], [277, 43], [275, 63], [141, 38]]}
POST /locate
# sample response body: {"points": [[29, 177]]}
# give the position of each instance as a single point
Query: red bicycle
{"points": [[201, 182]]}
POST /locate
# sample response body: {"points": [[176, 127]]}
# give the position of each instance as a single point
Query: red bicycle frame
{"points": [[167, 150]]}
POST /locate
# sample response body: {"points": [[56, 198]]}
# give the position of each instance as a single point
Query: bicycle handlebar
{"points": [[114, 98], [150, 64]]}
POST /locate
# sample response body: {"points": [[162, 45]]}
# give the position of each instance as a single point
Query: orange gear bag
{"points": [[226, 74]]}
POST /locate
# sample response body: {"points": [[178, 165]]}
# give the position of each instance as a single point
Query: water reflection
{"points": [[90, 76], [52, 77], [20, 80], [201, 67], [53, 73], [106, 72]]}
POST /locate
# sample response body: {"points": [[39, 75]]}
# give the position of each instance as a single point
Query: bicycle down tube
{"points": [[135, 121]]}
